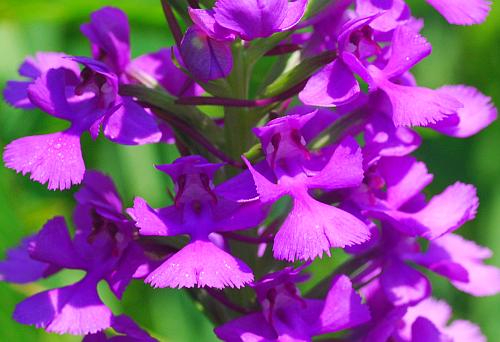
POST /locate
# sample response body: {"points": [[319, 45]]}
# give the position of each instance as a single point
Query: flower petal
{"points": [[344, 168], [159, 67], [382, 139], [405, 178], [295, 12], [74, 309], [99, 191], [476, 114], [131, 124], [202, 264], [462, 12], [109, 35], [205, 20], [53, 245], [20, 268], [461, 261], [444, 213], [207, 59], [54, 158], [312, 228], [331, 86], [251, 18], [16, 94], [418, 106], [422, 330], [163, 222], [249, 328], [408, 48], [343, 308], [404, 285]]}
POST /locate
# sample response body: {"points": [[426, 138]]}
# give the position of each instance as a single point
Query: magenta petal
{"points": [[120, 277], [344, 168], [343, 308], [404, 285], [462, 262], [74, 309], [267, 190], [465, 331], [477, 112], [295, 12], [251, 18], [131, 124], [159, 67], [33, 67], [408, 48], [16, 94], [99, 191], [382, 139], [20, 268], [201, 263], [109, 34], [405, 178], [249, 328], [448, 211], [423, 330], [435, 311], [205, 20], [462, 12], [312, 228], [229, 215], [162, 222], [53, 245], [393, 13], [207, 59], [54, 158], [418, 106], [331, 86], [125, 325], [48, 93]]}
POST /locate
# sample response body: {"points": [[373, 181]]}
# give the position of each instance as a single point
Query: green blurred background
{"points": [[468, 55]]}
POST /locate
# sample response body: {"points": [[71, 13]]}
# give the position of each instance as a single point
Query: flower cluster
{"points": [[319, 159]]}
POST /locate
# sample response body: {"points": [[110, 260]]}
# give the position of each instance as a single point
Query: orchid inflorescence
{"points": [[314, 156]]}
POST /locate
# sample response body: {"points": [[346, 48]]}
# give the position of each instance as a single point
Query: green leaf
{"points": [[189, 114], [299, 73]]}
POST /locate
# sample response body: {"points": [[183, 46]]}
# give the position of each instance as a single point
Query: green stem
{"points": [[238, 121]]}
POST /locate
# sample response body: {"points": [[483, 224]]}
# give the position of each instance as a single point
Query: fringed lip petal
{"points": [[201, 264], [54, 158]]}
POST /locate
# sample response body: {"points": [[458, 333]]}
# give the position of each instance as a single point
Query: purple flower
{"points": [[103, 246], [206, 58], [199, 211], [16, 92], [20, 268], [335, 84], [311, 227], [462, 12], [461, 261], [206, 48], [89, 100], [383, 139], [248, 19], [476, 114], [390, 13], [428, 321], [399, 284], [286, 316], [459, 12], [109, 35], [405, 207]]}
